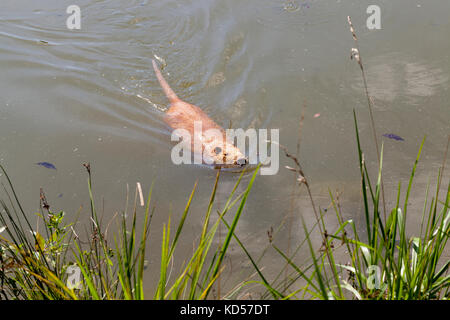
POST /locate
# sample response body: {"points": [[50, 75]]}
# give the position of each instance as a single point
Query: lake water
{"points": [[90, 95]]}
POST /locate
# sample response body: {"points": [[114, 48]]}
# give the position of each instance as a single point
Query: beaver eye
{"points": [[217, 150]]}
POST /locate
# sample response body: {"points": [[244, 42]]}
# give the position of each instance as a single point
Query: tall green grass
{"points": [[34, 264], [386, 261]]}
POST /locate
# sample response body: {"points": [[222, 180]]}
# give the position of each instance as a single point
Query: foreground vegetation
{"points": [[34, 265], [385, 263], [382, 262]]}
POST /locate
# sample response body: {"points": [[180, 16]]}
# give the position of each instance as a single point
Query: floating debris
{"points": [[293, 6], [317, 115], [47, 165], [393, 136]]}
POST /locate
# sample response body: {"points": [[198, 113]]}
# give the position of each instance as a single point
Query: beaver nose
{"points": [[242, 161]]}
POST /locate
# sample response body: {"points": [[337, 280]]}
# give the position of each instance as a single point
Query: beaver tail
{"points": [[167, 90]]}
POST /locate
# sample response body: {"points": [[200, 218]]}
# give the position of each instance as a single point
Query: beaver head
{"points": [[224, 154]]}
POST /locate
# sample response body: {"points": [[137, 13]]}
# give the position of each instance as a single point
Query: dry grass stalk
{"points": [[355, 54]]}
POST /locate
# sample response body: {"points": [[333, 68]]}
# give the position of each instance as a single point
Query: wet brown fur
{"points": [[181, 115]]}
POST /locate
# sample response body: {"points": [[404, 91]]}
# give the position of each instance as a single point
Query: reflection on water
{"points": [[394, 77], [73, 96]]}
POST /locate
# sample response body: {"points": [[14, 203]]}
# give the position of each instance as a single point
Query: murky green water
{"points": [[90, 95]]}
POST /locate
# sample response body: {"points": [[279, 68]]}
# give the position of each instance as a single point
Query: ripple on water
{"points": [[101, 77]]}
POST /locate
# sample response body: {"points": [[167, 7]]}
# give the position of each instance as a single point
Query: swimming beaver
{"points": [[216, 149]]}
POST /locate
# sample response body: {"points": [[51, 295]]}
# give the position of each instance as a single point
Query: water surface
{"points": [[90, 95]]}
